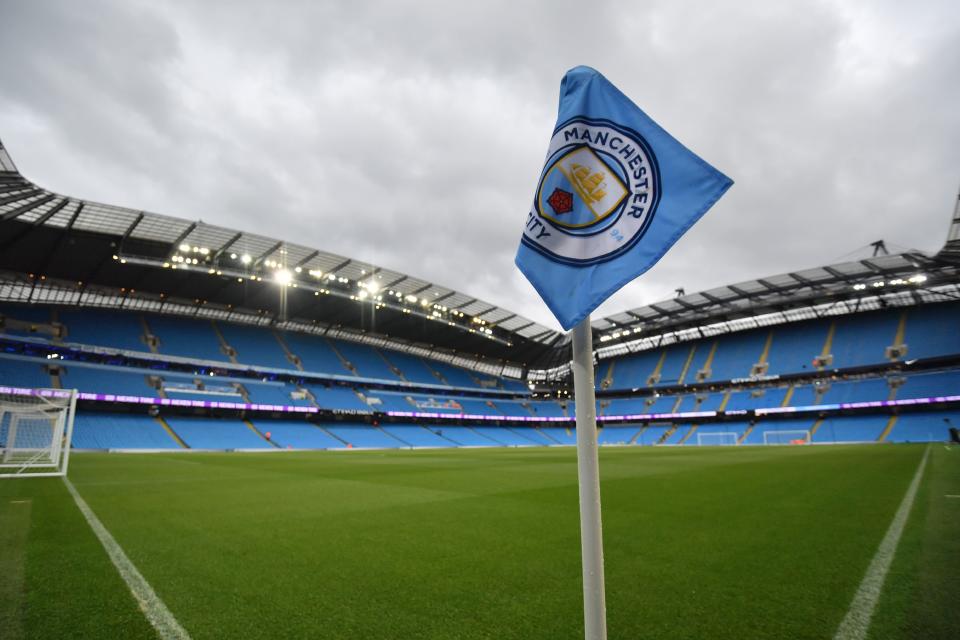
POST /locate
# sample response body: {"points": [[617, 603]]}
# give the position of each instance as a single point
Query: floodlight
{"points": [[362, 295], [185, 247], [373, 287], [412, 298], [246, 259]]}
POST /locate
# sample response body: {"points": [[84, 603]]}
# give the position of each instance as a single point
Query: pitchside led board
{"points": [[616, 192]]}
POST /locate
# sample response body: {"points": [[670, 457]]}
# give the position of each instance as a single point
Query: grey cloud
{"points": [[410, 134]]}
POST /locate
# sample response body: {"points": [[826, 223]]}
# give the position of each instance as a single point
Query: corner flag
{"points": [[616, 192]]}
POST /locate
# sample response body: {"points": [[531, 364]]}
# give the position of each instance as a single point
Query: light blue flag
{"points": [[616, 192]]}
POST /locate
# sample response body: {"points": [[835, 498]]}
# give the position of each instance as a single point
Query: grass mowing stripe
{"points": [[15, 516], [856, 623], [150, 603]]}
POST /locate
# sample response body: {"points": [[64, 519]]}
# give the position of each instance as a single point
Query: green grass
{"points": [[700, 543]]}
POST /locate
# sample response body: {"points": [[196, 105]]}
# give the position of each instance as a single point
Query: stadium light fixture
{"points": [[233, 256], [373, 287], [246, 259], [185, 248], [412, 298]]}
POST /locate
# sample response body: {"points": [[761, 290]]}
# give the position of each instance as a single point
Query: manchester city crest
{"points": [[597, 194]]}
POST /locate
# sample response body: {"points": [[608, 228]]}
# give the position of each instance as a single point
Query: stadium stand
{"points": [[850, 429], [337, 398], [417, 436], [315, 354], [108, 380], [186, 338], [464, 436], [119, 431], [297, 434], [924, 427], [359, 437], [123, 331], [216, 433], [617, 435], [255, 345], [24, 372], [365, 360]]}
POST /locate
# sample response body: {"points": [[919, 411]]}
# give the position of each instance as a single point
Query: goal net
{"points": [[716, 439], [36, 427], [795, 436]]}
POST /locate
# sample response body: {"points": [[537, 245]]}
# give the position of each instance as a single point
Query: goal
{"points": [[795, 436], [719, 438], [36, 427]]}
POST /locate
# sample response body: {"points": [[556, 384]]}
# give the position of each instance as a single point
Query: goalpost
{"points": [[718, 438], [36, 428], [787, 436]]}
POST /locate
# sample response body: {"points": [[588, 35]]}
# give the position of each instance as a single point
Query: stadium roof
{"points": [[61, 249]]}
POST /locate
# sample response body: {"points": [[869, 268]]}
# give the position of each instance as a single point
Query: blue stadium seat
{"points": [[617, 435], [336, 397], [187, 338], [930, 385], [364, 437], [413, 368], [366, 360], [109, 380], [26, 373], [465, 436], [418, 436], [389, 401], [315, 354], [924, 427], [502, 436], [104, 328], [119, 431], [652, 434], [857, 391], [862, 338], [255, 345], [933, 330], [735, 355], [294, 434], [851, 429], [560, 435], [455, 376], [216, 433], [795, 346], [274, 393]]}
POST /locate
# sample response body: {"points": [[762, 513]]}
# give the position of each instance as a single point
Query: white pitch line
{"points": [[857, 621], [150, 603]]}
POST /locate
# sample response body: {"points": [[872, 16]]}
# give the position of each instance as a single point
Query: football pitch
{"points": [[738, 542]]}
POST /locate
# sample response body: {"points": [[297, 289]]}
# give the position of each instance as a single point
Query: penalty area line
{"points": [[856, 623], [150, 603]]}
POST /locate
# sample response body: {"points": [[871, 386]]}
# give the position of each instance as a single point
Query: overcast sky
{"points": [[411, 135]]}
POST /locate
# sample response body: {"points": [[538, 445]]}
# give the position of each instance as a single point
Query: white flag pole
{"points": [[588, 470]]}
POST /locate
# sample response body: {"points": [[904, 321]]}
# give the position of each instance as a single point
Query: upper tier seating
{"points": [[852, 340], [187, 338], [255, 345], [104, 328], [366, 360], [315, 354]]}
